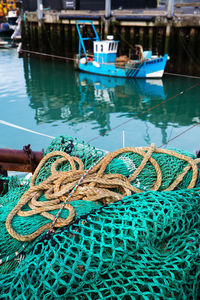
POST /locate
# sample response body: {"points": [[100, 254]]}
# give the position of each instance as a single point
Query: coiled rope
{"points": [[62, 187]]}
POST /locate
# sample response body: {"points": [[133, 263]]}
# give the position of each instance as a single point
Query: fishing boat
{"points": [[104, 61]]}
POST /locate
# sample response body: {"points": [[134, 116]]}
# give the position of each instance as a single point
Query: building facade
{"points": [[31, 5]]}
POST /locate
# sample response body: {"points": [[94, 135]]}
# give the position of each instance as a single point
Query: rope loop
{"points": [[63, 187]]}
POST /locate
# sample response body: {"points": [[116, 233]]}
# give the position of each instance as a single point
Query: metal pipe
{"points": [[20, 160], [18, 167], [18, 156], [40, 9], [170, 9], [107, 9]]}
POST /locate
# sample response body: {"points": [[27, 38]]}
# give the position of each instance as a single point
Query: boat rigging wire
{"points": [[151, 108], [182, 75], [124, 40], [147, 110], [185, 47], [184, 131], [124, 67], [73, 59], [50, 55]]}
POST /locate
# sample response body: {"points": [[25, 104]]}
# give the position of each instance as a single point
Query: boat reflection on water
{"points": [[56, 92], [104, 87], [90, 105], [126, 97]]}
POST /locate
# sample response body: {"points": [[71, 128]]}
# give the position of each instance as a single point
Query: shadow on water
{"points": [[56, 92]]}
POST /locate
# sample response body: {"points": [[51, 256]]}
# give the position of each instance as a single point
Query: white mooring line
{"points": [[25, 129]]}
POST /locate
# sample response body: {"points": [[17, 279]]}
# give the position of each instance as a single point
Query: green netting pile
{"points": [[124, 164], [146, 246], [10, 248]]}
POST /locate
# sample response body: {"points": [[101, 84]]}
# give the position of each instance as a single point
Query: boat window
{"points": [[101, 48], [96, 48], [113, 46], [109, 48]]}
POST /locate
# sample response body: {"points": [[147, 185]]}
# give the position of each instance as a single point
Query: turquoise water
{"points": [[53, 99]]}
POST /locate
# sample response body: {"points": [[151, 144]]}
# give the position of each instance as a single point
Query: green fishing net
{"points": [[10, 248], [145, 246], [124, 164]]}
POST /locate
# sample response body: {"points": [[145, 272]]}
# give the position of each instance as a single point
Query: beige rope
{"points": [[96, 185]]}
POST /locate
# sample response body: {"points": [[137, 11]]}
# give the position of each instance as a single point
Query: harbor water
{"points": [[41, 99]]}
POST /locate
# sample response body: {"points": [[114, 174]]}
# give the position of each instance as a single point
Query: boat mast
{"points": [[81, 39]]}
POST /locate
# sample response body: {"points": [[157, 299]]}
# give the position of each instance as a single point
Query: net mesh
{"points": [[145, 246]]}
